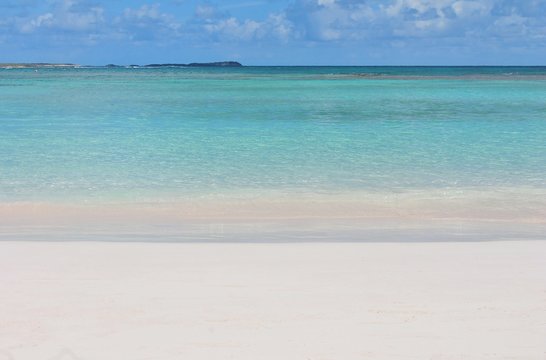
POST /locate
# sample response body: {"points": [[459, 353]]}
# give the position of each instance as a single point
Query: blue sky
{"points": [[275, 32]]}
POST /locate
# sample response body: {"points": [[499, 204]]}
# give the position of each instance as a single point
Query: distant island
{"points": [[35, 65], [51, 65]]}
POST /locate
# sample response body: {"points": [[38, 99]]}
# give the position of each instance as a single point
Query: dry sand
{"points": [[85, 300]]}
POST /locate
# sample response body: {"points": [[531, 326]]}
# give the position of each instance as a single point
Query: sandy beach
{"points": [[100, 300], [273, 180]]}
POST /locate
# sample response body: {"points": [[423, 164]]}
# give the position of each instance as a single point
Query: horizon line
{"points": [[268, 65]]}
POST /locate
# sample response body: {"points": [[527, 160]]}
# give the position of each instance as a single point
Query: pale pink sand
{"points": [[496, 204], [450, 214], [346, 301]]}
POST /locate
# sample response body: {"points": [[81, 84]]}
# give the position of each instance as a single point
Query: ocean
{"points": [[277, 142]]}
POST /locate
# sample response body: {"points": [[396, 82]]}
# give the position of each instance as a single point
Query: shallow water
{"points": [[173, 135], [140, 134]]}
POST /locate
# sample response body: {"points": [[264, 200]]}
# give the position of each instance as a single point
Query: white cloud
{"points": [[331, 20], [221, 26], [275, 26], [41, 20], [65, 17], [326, 2], [343, 24], [350, 20], [471, 8], [399, 8], [280, 27], [147, 23], [150, 14], [207, 12], [235, 29]]}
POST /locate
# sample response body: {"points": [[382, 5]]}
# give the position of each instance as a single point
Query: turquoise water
{"points": [[98, 134]]}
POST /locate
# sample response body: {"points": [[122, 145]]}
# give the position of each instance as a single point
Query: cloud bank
{"points": [[298, 31]]}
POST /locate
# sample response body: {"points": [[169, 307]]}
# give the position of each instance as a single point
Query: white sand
{"points": [[273, 301]]}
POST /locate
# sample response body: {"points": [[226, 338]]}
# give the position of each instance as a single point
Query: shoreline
{"points": [[454, 215], [520, 204]]}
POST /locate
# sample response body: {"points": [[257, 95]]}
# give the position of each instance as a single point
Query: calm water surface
{"points": [[130, 135]]}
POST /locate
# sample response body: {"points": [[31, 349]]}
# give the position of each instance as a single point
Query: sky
{"points": [[275, 32]]}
